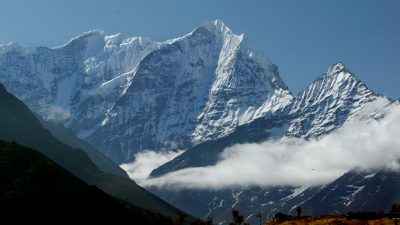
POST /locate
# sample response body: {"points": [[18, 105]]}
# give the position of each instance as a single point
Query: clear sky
{"points": [[302, 37]]}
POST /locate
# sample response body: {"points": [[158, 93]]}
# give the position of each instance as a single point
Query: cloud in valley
{"points": [[290, 161], [53, 112], [146, 161], [57, 113]]}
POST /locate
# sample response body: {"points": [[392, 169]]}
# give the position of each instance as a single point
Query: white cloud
{"points": [[53, 112], [57, 113], [294, 161], [147, 161]]}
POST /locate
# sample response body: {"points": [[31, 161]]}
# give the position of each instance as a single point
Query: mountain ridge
{"points": [[316, 112], [92, 80], [313, 112]]}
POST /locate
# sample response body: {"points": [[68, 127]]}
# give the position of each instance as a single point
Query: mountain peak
{"points": [[338, 72], [96, 32], [214, 23], [216, 26], [92, 34], [337, 81], [336, 68]]}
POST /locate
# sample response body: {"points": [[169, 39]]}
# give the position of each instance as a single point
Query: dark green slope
{"points": [[68, 137], [35, 189], [19, 124]]}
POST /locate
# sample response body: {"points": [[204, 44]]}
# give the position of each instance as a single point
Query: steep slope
{"points": [[18, 123], [219, 203], [35, 189], [67, 137], [148, 95], [354, 191], [334, 99], [357, 191]]}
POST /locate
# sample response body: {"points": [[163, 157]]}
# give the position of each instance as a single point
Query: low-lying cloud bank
{"points": [[147, 161], [291, 161]]}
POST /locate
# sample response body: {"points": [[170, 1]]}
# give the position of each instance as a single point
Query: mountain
{"points": [[331, 101], [202, 92], [334, 99], [76, 83], [19, 124], [37, 190], [126, 94], [356, 191]]}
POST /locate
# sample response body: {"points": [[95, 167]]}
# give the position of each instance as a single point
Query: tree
{"points": [[237, 218], [202, 222], [395, 208], [259, 216], [299, 211], [209, 220], [181, 218]]}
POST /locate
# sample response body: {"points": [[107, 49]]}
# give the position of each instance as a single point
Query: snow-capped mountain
{"points": [[77, 83], [334, 99], [126, 94], [204, 91], [356, 191], [195, 88]]}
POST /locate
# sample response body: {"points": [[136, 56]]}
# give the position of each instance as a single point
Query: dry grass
{"points": [[334, 220]]}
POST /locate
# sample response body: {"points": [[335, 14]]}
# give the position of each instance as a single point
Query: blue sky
{"points": [[302, 37]]}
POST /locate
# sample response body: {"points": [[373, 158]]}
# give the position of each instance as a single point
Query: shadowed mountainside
{"points": [[19, 124], [35, 189]]}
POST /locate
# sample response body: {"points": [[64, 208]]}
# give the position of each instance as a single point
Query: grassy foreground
{"points": [[335, 220]]}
